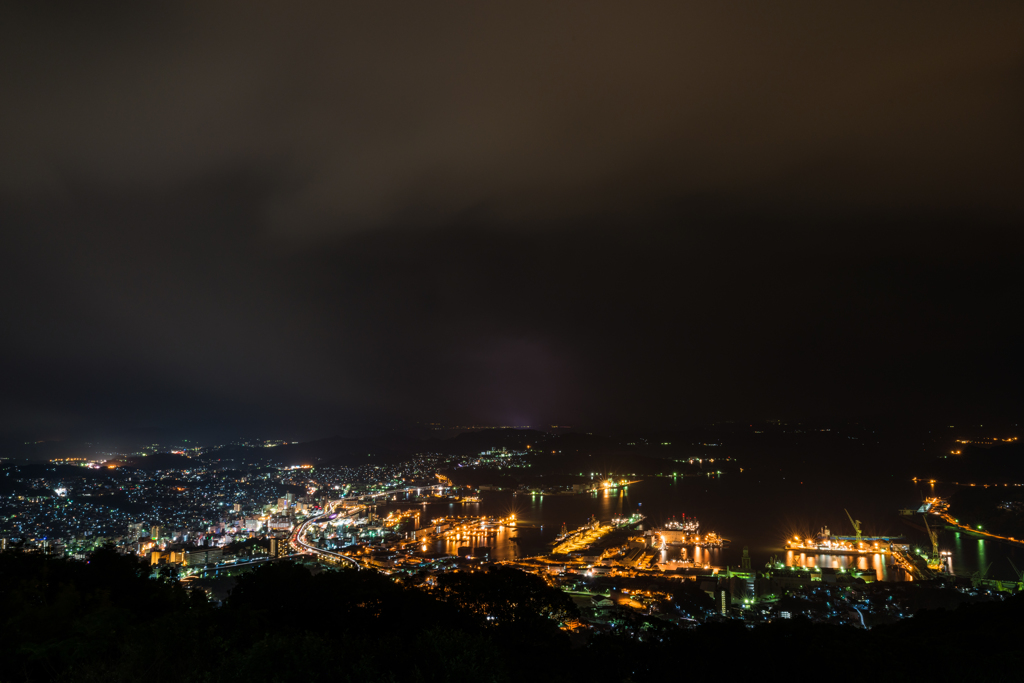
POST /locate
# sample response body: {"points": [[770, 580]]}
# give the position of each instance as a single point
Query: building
{"points": [[167, 557], [719, 594], [280, 524], [279, 547], [200, 557], [196, 558], [722, 601], [633, 557]]}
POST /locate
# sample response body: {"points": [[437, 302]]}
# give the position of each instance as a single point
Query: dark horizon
{"points": [[306, 222]]}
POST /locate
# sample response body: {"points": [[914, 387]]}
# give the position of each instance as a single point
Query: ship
{"points": [[686, 532], [689, 525], [713, 540], [632, 520]]}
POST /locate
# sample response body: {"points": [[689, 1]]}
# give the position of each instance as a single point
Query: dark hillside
{"points": [[104, 620]]}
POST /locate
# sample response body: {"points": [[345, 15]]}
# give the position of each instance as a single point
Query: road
{"points": [[395, 492], [234, 565], [940, 508], [298, 536], [299, 543]]}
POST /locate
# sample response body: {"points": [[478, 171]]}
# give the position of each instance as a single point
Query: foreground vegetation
{"points": [[105, 620]]}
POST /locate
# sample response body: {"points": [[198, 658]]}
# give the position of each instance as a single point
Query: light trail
{"points": [[940, 508], [298, 538]]}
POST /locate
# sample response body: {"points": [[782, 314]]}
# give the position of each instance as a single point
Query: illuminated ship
{"points": [[713, 540], [689, 525], [621, 521]]}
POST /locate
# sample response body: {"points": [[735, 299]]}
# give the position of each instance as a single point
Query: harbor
{"points": [[575, 489], [542, 520]]}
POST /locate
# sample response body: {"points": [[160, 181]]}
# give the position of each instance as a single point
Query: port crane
{"points": [[856, 525], [977, 577], [1019, 573], [935, 561]]}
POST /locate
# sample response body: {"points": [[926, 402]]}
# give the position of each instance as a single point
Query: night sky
{"points": [[290, 221]]}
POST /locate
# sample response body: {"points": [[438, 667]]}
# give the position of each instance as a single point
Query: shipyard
{"points": [[502, 342], [625, 553], [599, 560]]}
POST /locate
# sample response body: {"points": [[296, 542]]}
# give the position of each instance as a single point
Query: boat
{"points": [[690, 525]]}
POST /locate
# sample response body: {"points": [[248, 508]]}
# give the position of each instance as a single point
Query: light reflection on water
{"points": [[877, 562], [749, 512]]}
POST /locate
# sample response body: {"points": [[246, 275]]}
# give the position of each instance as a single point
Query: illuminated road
{"points": [[298, 538], [395, 492], [299, 543], [233, 565], [940, 508]]}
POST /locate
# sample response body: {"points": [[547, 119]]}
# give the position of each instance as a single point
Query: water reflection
{"points": [[503, 543], [877, 563], [715, 502]]}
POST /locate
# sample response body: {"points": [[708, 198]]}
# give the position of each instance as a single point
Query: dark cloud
{"points": [[377, 114], [289, 217]]}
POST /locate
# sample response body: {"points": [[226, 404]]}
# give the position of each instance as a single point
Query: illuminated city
{"points": [[493, 342]]}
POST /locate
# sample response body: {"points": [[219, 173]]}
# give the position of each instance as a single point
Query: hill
{"points": [[1002, 463]]}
